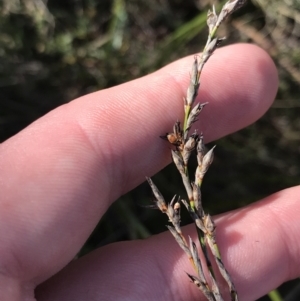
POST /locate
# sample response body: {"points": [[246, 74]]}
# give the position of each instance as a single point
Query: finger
{"points": [[259, 246], [71, 164]]}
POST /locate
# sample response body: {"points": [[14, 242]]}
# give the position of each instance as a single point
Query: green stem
{"points": [[201, 238], [275, 296], [187, 111]]}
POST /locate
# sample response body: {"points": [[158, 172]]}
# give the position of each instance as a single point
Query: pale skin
{"points": [[59, 175]]}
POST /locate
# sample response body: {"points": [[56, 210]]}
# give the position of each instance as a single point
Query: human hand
{"points": [[60, 174]]}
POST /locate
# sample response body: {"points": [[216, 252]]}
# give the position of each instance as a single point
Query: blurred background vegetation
{"points": [[54, 51]]}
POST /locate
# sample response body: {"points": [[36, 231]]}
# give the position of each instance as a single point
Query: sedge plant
{"points": [[184, 145]]}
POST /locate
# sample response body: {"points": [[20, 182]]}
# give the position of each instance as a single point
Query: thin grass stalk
{"points": [[275, 296]]}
